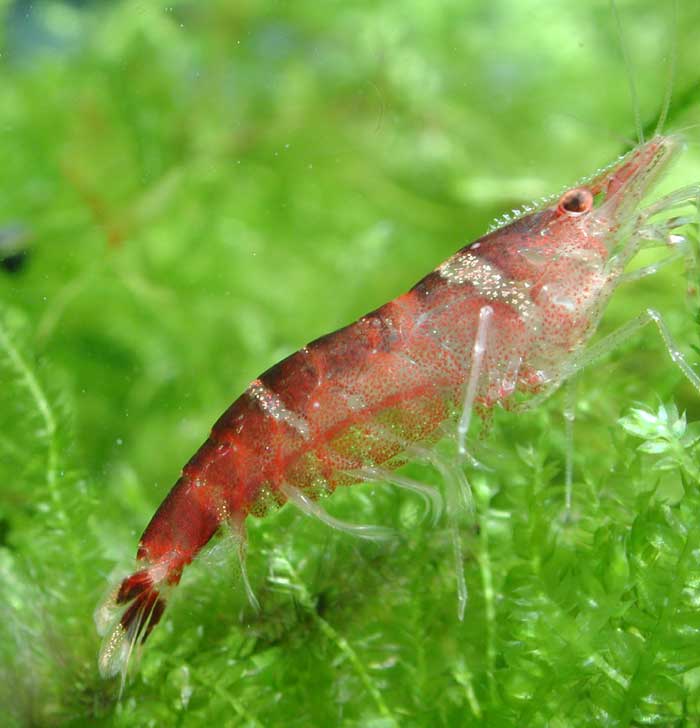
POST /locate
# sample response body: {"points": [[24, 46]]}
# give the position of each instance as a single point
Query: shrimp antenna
{"points": [[630, 74], [671, 70]]}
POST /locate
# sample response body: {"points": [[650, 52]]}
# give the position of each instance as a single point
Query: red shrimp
{"points": [[510, 313]]}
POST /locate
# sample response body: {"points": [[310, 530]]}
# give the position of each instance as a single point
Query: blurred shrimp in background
{"points": [[14, 243]]}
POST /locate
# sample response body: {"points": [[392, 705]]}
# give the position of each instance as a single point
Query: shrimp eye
{"points": [[576, 202]]}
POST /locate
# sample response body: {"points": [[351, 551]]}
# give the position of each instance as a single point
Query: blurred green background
{"points": [[191, 191]]}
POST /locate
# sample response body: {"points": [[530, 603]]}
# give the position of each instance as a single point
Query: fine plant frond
{"points": [[47, 551]]}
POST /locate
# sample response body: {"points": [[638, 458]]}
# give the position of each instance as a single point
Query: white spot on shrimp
{"points": [[488, 280], [272, 405]]}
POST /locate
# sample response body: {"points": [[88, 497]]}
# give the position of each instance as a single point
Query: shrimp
{"points": [[511, 314]]}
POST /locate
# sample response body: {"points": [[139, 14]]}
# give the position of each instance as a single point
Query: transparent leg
{"points": [[650, 270], [458, 497], [477, 361], [625, 332], [242, 551], [570, 419], [431, 496], [311, 508]]}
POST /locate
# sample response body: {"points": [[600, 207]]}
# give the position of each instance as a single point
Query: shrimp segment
{"points": [[509, 314]]}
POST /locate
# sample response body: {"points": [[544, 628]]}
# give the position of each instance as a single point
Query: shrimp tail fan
{"points": [[126, 618]]}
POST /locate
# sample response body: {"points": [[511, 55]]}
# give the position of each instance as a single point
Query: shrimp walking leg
{"points": [[457, 491], [311, 508], [242, 552], [478, 351], [652, 269], [570, 418], [430, 495], [621, 335]]}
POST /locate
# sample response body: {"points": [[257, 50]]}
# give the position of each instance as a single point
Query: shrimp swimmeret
{"points": [[510, 313]]}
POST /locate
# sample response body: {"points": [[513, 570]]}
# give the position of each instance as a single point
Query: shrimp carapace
{"points": [[510, 313]]}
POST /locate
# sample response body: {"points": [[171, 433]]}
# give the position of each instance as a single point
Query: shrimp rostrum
{"points": [[510, 314]]}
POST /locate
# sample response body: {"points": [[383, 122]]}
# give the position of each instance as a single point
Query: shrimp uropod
{"points": [[511, 313]]}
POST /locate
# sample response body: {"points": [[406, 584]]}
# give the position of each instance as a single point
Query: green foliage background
{"points": [[207, 186]]}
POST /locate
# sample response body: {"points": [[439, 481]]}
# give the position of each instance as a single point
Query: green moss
{"points": [[206, 186]]}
